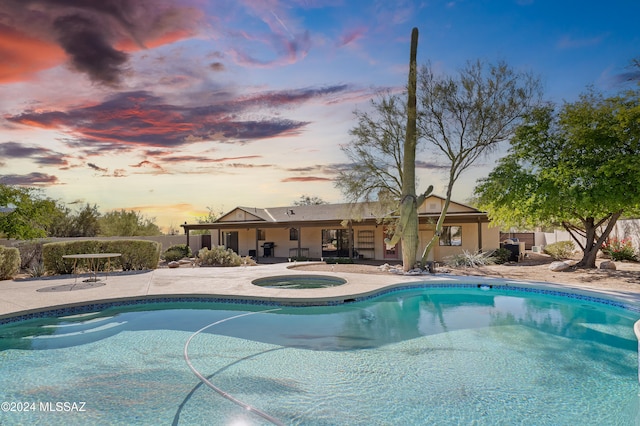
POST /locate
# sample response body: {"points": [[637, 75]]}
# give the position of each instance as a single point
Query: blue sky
{"points": [[169, 107]]}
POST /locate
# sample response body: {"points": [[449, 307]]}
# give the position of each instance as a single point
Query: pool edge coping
{"points": [[631, 304]]}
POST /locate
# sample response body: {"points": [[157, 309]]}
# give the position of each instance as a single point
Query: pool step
{"points": [[74, 337], [76, 324]]}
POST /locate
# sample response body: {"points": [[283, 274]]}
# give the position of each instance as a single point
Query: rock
{"points": [[609, 265], [173, 264], [559, 266], [384, 267]]}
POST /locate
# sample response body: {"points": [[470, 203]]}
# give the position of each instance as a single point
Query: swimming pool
{"points": [[411, 356]]}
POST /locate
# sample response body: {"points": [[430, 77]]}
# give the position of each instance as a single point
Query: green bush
{"points": [[337, 260], [560, 250], [135, 255], [471, 259], [181, 250], [219, 256], [172, 255], [500, 255], [9, 262]]}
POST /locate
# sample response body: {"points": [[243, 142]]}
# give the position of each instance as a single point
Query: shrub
{"points": [[500, 255], [172, 255], [30, 253], [248, 261], [219, 256], [471, 259], [181, 250], [619, 249], [9, 262], [338, 260], [37, 270], [560, 250], [135, 255]]}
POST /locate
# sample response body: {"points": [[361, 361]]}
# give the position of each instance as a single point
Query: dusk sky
{"points": [[168, 107]]}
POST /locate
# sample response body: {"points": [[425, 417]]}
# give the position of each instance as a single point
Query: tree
{"points": [[467, 116], [577, 167], [126, 224], [27, 213], [62, 222], [85, 223], [210, 217], [376, 154], [306, 200]]}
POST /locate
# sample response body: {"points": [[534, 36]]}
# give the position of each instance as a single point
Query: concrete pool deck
{"points": [[20, 297]]}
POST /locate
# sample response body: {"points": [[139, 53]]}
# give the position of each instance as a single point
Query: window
{"points": [[261, 234], [293, 234], [451, 236]]}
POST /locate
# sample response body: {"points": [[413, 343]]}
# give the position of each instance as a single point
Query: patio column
{"points": [[257, 241], [479, 235], [350, 237]]}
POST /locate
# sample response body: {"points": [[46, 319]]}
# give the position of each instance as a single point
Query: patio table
{"points": [[93, 265]]}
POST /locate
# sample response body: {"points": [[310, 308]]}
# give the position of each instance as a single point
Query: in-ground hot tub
{"points": [[299, 281]]}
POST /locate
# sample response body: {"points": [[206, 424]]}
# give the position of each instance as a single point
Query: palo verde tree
{"points": [[376, 154], [308, 200], [576, 167], [465, 117]]}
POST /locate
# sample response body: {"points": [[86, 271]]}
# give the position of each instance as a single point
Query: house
{"points": [[322, 231]]}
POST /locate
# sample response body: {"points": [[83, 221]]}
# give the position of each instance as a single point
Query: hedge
{"points": [[9, 262], [135, 255]]}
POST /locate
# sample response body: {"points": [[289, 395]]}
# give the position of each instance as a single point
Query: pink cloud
{"points": [[351, 36]]}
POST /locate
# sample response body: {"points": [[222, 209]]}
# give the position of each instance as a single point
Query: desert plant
{"points": [[470, 259], [178, 249], [500, 255], [619, 249], [172, 255], [248, 261], [219, 256], [9, 262], [37, 270], [30, 253], [560, 250], [338, 260]]}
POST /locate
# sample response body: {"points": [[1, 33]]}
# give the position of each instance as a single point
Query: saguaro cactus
{"points": [[407, 227]]}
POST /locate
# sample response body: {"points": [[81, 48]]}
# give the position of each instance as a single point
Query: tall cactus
{"points": [[408, 207], [407, 227]]}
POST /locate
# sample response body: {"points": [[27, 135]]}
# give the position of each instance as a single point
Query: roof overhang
{"points": [[463, 217]]}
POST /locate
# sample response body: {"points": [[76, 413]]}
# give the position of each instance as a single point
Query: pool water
{"points": [[442, 356]]}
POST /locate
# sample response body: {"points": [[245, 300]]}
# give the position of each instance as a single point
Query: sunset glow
{"points": [[172, 107]]}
